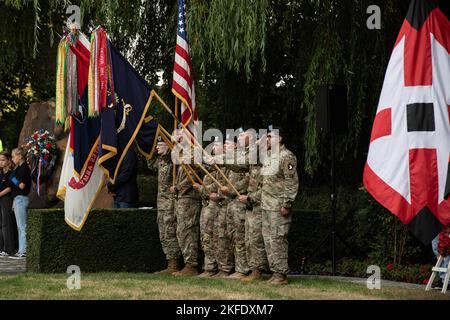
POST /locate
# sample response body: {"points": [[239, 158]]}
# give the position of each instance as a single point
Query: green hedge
{"points": [[111, 240], [127, 240]]}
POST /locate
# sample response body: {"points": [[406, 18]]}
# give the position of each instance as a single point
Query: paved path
{"points": [[363, 281], [12, 266]]}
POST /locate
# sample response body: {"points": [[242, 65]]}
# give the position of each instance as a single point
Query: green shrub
{"points": [[111, 240], [126, 240]]}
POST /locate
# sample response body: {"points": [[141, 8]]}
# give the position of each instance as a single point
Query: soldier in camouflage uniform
{"points": [[187, 210], [224, 223], [209, 215], [256, 251], [279, 189], [240, 179], [167, 222]]}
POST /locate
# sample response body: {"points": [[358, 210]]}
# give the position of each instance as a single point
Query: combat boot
{"points": [[238, 275], [279, 279], [207, 274], [221, 274], [172, 266], [254, 276], [188, 270]]}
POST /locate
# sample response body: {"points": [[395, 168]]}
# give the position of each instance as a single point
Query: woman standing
{"points": [[20, 184], [7, 223]]}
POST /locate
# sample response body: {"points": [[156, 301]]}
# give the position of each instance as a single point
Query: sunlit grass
{"points": [[147, 286]]}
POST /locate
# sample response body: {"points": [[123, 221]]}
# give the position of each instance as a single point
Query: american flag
{"points": [[183, 82]]}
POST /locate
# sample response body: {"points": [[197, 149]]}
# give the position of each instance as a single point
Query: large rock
{"points": [[42, 116]]}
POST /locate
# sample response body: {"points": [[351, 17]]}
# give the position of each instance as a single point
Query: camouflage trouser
{"points": [[256, 251], [275, 230], [167, 225], [238, 211], [188, 216], [208, 218], [224, 227]]}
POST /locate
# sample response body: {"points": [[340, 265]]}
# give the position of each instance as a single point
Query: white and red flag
{"points": [[407, 169], [183, 82]]}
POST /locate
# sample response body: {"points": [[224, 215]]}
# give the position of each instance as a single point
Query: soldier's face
{"points": [[228, 146], [245, 139], [273, 141], [161, 148], [262, 142], [218, 148], [242, 139]]}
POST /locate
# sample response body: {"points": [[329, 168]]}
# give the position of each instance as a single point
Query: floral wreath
{"points": [[42, 153]]}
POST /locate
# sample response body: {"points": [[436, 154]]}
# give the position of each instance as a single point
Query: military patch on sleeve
{"points": [[290, 167]]}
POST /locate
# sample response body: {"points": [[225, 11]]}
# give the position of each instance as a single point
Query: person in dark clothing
{"points": [[125, 189], [20, 180], [7, 222]]}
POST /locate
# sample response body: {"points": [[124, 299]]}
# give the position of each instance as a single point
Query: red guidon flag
{"points": [[407, 169]]}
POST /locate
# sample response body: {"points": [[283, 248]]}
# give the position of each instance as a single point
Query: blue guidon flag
{"points": [[125, 119]]}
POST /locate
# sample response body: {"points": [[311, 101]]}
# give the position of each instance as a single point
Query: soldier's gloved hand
{"points": [[214, 197], [173, 189], [196, 186], [284, 212], [243, 198], [225, 190]]}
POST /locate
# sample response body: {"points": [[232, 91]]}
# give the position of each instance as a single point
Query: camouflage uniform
{"points": [[208, 217], [256, 251], [166, 219], [187, 209], [224, 227], [240, 179], [279, 189]]}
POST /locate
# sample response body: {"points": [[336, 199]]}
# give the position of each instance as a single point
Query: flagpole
{"points": [[174, 170]]}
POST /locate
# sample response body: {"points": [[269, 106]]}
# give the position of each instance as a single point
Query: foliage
{"points": [[229, 33]]}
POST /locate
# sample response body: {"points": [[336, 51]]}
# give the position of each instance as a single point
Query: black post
{"points": [[333, 185], [333, 206]]}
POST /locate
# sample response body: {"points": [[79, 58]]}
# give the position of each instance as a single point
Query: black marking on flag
{"points": [[420, 117], [418, 12], [425, 226], [447, 183]]}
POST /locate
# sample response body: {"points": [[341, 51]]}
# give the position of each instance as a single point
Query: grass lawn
{"points": [[148, 286]]}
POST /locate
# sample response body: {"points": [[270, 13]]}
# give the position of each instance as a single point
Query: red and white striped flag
{"points": [[183, 82]]}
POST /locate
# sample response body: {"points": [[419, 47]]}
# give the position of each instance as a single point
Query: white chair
{"points": [[436, 269]]}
